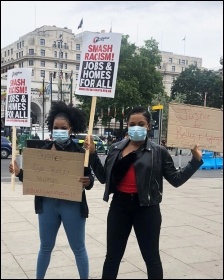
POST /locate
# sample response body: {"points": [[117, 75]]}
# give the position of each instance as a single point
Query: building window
{"points": [[8, 52], [30, 62], [21, 64], [17, 46], [66, 55], [170, 60], [42, 63], [42, 52], [61, 65], [77, 76], [65, 45], [21, 53], [11, 51], [55, 54], [59, 44], [179, 61], [77, 47], [66, 77], [173, 68], [78, 56], [22, 43], [77, 67], [5, 54], [54, 44], [183, 61], [31, 51], [42, 73], [32, 72], [66, 66], [61, 54], [17, 56], [42, 42], [55, 65]]}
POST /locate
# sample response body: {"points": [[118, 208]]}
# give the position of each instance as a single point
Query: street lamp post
{"points": [[51, 76], [71, 81], [59, 69], [205, 99], [43, 112]]}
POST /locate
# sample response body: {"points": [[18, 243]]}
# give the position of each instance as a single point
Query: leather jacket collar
{"points": [[122, 144]]}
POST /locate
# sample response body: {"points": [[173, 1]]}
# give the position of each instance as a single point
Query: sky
{"points": [[168, 22]]}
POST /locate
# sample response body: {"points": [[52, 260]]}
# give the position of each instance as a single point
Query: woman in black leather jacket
{"points": [[62, 121], [133, 172]]}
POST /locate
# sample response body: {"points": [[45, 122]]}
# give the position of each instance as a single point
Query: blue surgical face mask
{"points": [[60, 135], [137, 133]]}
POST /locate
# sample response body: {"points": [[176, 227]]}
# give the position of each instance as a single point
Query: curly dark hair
{"points": [[140, 110], [75, 116]]}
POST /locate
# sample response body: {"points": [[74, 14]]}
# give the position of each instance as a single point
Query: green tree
{"points": [[138, 82], [193, 84]]}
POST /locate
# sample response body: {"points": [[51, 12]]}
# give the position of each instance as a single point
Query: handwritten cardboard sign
{"points": [[189, 125], [53, 173]]}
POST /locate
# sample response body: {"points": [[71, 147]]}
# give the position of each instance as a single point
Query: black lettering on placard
{"points": [[97, 74], [17, 106]]}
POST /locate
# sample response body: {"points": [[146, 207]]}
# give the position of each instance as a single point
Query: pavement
{"points": [[191, 242]]}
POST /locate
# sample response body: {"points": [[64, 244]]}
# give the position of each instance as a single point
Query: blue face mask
{"points": [[60, 135], [137, 133]]}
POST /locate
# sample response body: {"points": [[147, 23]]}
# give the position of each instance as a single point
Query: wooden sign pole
{"points": [[90, 130], [13, 156]]}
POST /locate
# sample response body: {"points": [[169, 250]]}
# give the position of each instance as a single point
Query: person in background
{"points": [[163, 143], [126, 135], [133, 172], [36, 136], [62, 121]]}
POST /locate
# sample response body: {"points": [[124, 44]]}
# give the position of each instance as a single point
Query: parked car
{"points": [[100, 144], [6, 147]]}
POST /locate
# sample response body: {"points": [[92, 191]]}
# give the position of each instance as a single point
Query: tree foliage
{"points": [[193, 84], [138, 82]]}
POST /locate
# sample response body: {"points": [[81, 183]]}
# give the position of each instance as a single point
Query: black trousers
{"points": [[124, 213]]}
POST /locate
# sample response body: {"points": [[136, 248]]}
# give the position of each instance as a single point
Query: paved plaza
{"points": [[191, 242]]}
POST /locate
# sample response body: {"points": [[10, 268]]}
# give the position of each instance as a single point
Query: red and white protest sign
{"points": [[99, 64], [18, 98]]}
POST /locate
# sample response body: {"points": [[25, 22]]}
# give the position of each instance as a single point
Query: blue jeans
{"points": [[54, 212]]}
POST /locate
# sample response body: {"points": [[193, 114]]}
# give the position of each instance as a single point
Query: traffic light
{"points": [[155, 119]]}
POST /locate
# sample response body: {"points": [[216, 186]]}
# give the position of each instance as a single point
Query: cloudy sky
{"points": [[168, 22]]}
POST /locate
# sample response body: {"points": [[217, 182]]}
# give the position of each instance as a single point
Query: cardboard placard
{"points": [[53, 173], [189, 125], [99, 64], [18, 99]]}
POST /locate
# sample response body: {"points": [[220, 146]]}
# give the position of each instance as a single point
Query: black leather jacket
{"points": [[69, 147], [152, 163]]}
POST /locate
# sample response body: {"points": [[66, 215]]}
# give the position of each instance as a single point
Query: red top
{"points": [[128, 183]]}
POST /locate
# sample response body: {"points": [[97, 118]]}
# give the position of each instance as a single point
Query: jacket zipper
{"points": [[158, 187], [150, 177]]}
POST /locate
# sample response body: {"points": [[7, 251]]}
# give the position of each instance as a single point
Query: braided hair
{"points": [[75, 116]]}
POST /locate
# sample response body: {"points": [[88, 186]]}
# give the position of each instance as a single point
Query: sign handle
{"points": [[13, 156], [90, 131]]}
